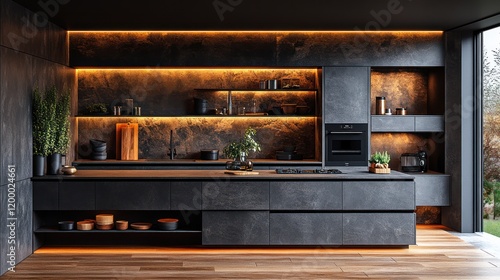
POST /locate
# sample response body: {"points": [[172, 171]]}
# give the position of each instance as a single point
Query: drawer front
{"points": [[76, 196], [379, 229], [235, 228], [45, 196], [130, 195], [306, 195], [305, 228], [235, 195], [185, 195], [393, 123], [432, 190], [379, 195], [429, 123]]}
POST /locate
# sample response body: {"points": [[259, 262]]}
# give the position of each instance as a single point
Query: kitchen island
{"points": [[355, 208]]}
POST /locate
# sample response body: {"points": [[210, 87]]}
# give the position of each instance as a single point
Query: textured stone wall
{"points": [[30, 56]]}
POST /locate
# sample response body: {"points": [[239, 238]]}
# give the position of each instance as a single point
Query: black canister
{"points": [[200, 106]]}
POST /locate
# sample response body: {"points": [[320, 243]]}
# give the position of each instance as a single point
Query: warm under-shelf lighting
{"points": [[258, 31]]}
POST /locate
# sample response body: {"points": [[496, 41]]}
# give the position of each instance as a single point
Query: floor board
{"points": [[438, 254]]}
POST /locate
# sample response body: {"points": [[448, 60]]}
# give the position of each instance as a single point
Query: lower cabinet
{"points": [[305, 229], [379, 229], [432, 190], [132, 195], [235, 228]]}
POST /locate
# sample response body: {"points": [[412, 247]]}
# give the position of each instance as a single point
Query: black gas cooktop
{"points": [[307, 171]]}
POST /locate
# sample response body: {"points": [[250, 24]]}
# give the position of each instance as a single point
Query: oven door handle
{"points": [[346, 151], [345, 132]]}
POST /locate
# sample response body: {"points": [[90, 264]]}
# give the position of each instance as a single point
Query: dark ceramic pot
{"points": [[38, 165], [53, 164]]}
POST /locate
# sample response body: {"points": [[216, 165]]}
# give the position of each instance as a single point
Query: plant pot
{"points": [[53, 164], [38, 165]]}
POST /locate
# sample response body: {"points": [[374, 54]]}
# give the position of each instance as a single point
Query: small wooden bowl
{"points": [[104, 227], [104, 219], [121, 225], [85, 225], [141, 226]]}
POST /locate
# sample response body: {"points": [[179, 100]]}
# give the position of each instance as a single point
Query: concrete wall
{"points": [[33, 52]]}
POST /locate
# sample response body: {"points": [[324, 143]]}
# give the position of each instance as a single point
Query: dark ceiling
{"points": [[265, 14]]}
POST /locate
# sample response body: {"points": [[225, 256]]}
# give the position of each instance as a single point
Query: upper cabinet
{"points": [[346, 93]]}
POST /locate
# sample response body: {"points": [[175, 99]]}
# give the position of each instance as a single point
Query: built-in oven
{"points": [[346, 144]]}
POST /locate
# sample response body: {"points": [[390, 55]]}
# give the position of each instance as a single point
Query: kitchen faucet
{"points": [[172, 151]]}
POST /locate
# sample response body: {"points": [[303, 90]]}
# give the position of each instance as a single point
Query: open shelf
{"points": [[257, 89], [75, 231]]}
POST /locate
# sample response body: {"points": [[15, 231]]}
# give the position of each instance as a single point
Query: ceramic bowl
{"points": [[167, 224], [66, 225], [104, 219], [104, 227], [68, 170], [85, 225], [121, 225]]}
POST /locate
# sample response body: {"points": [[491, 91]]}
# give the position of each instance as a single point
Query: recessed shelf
{"points": [[198, 116], [258, 89], [55, 230]]}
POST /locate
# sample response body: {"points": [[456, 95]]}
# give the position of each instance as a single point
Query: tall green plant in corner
{"points": [[62, 123], [41, 118]]}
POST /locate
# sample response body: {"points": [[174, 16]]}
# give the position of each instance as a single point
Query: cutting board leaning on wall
{"points": [[127, 141]]}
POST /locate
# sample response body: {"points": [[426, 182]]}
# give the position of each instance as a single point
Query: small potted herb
{"points": [[379, 162], [239, 150]]}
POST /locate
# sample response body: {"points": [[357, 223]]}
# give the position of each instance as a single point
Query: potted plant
{"points": [[61, 132], [379, 162], [239, 150], [43, 130]]}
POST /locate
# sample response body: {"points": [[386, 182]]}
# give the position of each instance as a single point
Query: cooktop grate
{"points": [[307, 171]]}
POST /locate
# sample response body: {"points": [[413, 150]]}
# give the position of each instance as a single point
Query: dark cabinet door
{"points": [[305, 195], [379, 195], [76, 195], [305, 229], [133, 195], [45, 196], [185, 195], [235, 195], [235, 228], [346, 94], [379, 229]]}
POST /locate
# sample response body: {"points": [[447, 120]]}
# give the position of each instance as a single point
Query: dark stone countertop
{"points": [[348, 173]]}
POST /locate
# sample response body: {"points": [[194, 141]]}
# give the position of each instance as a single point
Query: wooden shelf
{"points": [[75, 231], [257, 89], [196, 116]]}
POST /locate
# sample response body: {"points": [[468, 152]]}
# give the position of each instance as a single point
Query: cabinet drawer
{"points": [[235, 228], [306, 195], [130, 195], [185, 195], [305, 228], [432, 190], [235, 195], [379, 229], [393, 124], [429, 123], [45, 196], [76, 196], [379, 195]]}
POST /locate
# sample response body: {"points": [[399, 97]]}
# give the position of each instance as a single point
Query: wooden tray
{"points": [[379, 170], [236, 172]]}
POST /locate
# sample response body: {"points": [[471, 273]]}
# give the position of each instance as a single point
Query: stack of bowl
{"points": [[98, 149], [104, 221], [167, 224]]}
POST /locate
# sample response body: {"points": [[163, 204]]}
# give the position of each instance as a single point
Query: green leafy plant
{"points": [[97, 108], [62, 123], [246, 145], [50, 121], [380, 160]]}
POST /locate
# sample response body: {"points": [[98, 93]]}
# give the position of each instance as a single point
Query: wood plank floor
{"points": [[437, 255]]}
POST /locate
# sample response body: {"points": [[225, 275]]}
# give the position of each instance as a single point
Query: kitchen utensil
{"points": [[288, 109], [167, 224], [141, 226], [401, 111], [104, 219], [380, 105], [68, 170], [121, 225], [209, 154], [84, 225], [66, 225], [104, 227], [235, 172]]}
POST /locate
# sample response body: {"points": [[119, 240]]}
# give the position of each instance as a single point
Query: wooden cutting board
{"points": [[235, 172], [127, 141]]}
